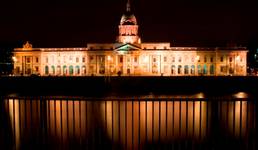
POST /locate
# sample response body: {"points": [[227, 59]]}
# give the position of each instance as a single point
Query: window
{"points": [[179, 71], [36, 68], [70, 70], [165, 59], [230, 59], [199, 69], [28, 59], [221, 68], [101, 59], [77, 70], [46, 70], [46, 59], [205, 59], [221, 59], [154, 59], [173, 68], [37, 59], [71, 58], [53, 69], [77, 59], [211, 69], [186, 70], [173, 59], [91, 58], [180, 59], [121, 59], [192, 59], [192, 69], [135, 59], [83, 59], [204, 69], [211, 59]]}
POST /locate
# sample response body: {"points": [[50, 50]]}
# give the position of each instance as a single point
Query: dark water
{"points": [[128, 123]]}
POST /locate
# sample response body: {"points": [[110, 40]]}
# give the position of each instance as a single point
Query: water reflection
{"points": [[125, 124], [237, 117], [138, 122]]}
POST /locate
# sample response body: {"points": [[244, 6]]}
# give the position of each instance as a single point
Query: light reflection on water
{"points": [[131, 124], [153, 121]]}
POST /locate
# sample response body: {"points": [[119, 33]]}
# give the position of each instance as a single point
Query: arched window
{"points": [[212, 69], [83, 70], [199, 69], [173, 69], [179, 69], [186, 69], [53, 70], [192, 69], [70, 70], [204, 69], [77, 70], [46, 70], [64, 70], [58, 70]]}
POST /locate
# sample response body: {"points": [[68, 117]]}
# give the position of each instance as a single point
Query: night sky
{"points": [[60, 23]]}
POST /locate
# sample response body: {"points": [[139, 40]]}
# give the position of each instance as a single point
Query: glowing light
{"points": [[241, 95], [14, 59], [108, 58], [238, 58], [197, 57]]}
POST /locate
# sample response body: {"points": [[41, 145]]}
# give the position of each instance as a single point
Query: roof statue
{"points": [[27, 45]]}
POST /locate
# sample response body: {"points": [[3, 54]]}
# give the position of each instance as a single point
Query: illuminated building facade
{"points": [[129, 56]]}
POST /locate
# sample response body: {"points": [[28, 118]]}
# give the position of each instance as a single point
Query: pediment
{"points": [[127, 47]]}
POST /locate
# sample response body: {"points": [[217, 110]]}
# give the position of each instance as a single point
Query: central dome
{"points": [[128, 19]]}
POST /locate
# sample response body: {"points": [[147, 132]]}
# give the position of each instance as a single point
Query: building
{"points": [[130, 56]]}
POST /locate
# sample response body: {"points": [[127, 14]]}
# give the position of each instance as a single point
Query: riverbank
{"points": [[103, 86]]}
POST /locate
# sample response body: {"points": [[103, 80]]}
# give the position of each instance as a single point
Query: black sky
{"points": [[60, 23]]}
